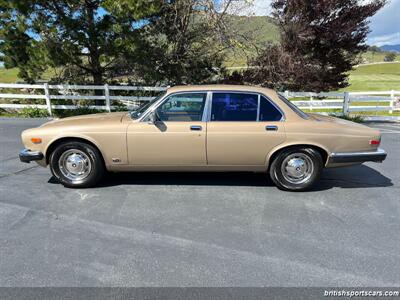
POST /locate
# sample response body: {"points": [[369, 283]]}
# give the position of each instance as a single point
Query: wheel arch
{"points": [[321, 150], [57, 141]]}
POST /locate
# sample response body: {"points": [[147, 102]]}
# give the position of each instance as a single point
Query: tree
{"points": [[374, 49], [86, 37], [319, 44], [156, 41], [183, 44], [391, 56]]}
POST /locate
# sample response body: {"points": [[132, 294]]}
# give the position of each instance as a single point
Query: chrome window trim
{"points": [[208, 105], [207, 108], [283, 118], [165, 98]]}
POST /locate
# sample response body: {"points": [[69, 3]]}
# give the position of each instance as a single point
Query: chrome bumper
{"points": [[358, 157], [27, 155]]}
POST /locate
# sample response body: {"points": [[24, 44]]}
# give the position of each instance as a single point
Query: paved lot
{"points": [[198, 229]]}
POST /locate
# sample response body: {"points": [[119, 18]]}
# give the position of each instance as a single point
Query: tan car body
{"points": [[139, 145]]}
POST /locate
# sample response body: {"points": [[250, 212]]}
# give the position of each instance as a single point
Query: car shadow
{"points": [[360, 176]]}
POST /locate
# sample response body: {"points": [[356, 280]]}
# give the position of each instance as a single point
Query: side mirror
{"points": [[153, 117]]}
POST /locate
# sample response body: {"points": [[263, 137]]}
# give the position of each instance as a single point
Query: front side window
{"points": [[182, 107], [234, 107]]}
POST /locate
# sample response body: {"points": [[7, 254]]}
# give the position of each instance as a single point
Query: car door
{"points": [[243, 129], [176, 138]]}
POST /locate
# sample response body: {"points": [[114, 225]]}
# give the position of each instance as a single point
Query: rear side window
{"points": [[268, 112], [234, 107]]}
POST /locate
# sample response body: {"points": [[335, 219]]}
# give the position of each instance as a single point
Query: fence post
{"points": [[287, 94], [391, 101], [107, 96], [47, 95], [310, 102], [346, 103]]}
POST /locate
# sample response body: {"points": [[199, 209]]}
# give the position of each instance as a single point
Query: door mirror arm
{"points": [[153, 117]]}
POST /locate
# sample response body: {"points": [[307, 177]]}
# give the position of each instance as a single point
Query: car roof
{"points": [[221, 87]]}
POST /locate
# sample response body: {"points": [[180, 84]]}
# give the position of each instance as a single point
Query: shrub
{"points": [[390, 57], [33, 112], [82, 110], [354, 118]]}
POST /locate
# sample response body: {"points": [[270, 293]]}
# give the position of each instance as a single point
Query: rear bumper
{"points": [[27, 155], [358, 157]]}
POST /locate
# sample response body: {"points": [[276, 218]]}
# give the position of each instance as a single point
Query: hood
{"points": [[87, 119]]}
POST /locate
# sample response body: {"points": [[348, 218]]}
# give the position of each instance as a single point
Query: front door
{"points": [[243, 129], [177, 138]]}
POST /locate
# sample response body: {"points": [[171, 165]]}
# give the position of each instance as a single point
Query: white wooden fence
{"points": [[71, 92], [347, 102]]}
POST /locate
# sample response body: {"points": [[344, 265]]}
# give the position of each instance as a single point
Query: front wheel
{"points": [[76, 164], [296, 169]]}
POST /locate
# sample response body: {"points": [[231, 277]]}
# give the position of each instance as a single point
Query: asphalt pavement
{"points": [[199, 229]]}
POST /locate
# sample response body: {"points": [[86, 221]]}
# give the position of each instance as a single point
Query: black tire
{"points": [[92, 157], [312, 162]]}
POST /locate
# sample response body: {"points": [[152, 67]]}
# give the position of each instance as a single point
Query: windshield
{"points": [[135, 114], [294, 108]]}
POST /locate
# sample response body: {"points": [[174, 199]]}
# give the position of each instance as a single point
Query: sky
{"points": [[385, 25]]}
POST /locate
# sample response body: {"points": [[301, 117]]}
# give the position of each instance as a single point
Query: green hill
{"points": [[375, 77], [251, 33]]}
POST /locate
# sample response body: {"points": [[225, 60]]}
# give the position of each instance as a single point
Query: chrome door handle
{"points": [[271, 128], [196, 127]]}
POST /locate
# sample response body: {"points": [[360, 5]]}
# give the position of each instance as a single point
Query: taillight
{"points": [[374, 142]]}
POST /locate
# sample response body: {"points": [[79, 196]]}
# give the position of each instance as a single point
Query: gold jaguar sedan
{"points": [[203, 128]]}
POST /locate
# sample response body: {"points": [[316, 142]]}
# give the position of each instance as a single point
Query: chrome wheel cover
{"points": [[75, 165], [297, 168]]}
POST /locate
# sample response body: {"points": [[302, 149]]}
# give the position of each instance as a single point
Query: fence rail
{"points": [[347, 102]]}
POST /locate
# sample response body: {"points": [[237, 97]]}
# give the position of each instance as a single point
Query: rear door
{"points": [[243, 129]]}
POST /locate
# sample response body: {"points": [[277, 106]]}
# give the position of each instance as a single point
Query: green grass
{"points": [[8, 75], [11, 75], [377, 77], [250, 33]]}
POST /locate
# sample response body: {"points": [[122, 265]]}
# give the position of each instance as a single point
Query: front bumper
{"points": [[27, 155], [358, 157]]}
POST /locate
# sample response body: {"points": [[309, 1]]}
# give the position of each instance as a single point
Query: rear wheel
{"points": [[76, 164], [296, 169]]}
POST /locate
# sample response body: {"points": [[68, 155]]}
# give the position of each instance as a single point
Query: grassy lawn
{"points": [[379, 77], [8, 75], [11, 75]]}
